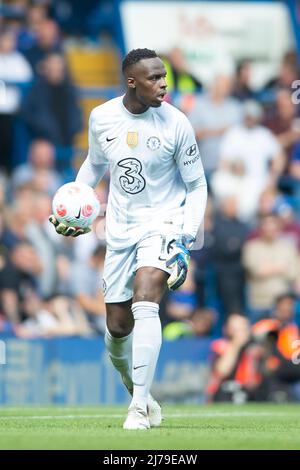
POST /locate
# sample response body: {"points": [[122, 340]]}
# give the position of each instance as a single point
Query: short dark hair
{"points": [[136, 55], [285, 295]]}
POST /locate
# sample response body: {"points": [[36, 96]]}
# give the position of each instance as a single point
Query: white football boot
{"points": [[154, 412], [137, 419], [153, 408]]}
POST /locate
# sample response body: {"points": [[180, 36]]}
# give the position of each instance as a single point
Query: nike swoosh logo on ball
{"points": [[77, 216]]}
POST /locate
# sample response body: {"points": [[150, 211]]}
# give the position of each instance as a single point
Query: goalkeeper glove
{"points": [[179, 261], [65, 230]]}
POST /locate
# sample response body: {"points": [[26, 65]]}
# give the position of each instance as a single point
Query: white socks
{"points": [[120, 353], [135, 356], [146, 344]]}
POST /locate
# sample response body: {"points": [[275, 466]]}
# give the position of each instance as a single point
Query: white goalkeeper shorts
{"points": [[121, 265]]}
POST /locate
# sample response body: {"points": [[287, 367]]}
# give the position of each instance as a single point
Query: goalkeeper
{"points": [[156, 205]]}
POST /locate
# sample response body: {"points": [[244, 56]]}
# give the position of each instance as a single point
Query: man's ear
{"points": [[131, 82]]}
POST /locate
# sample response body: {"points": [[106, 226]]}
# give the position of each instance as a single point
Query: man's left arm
{"points": [[189, 163]]}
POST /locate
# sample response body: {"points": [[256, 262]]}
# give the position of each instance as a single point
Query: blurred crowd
{"points": [[242, 287]]}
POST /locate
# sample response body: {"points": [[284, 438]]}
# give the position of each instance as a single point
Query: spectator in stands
{"points": [[270, 199], [12, 14], [84, 286], [214, 112], [294, 171], [254, 146], [56, 316], [51, 109], [280, 375], [41, 161], [229, 237], [233, 180], [247, 364], [242, 88], [273, 202], [179, 78], [182, 84], [35, 15], [283, 121], [9, 314], [7, 238], [288, 73], [235, 363], [14, 70], [200, 324], [289, 226], [9, 311], [36, 233], [284, 312], [20, 211], [272, 267], [47, 42], [18, 276]]}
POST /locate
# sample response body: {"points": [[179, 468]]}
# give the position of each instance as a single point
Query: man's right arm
{"points": [[91, 172], [95, 165]]}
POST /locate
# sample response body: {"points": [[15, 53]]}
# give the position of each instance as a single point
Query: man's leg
{"points": [[118, 339], [149, 287], [118, 278], [119, 346]]}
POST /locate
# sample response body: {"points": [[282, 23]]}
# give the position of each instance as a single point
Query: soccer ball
{"points": [[76, 205]]}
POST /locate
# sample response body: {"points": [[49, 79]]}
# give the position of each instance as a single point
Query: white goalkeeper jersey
{"points": [[150, 157]]}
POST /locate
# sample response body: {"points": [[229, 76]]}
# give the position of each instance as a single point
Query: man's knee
{"points": [[119, 319], [118, 330], [150, 284], [143, 295]]}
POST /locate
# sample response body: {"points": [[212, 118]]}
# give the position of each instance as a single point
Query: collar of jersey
{"points": [[135, 116]]}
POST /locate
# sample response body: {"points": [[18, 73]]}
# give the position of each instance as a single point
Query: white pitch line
{"points": [[206, 414], [61, 417]]}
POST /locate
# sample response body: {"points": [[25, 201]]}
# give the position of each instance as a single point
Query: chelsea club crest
{"points": [[153, 143]]}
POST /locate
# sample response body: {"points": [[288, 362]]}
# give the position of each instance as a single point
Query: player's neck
{"points": [[134, 106]]}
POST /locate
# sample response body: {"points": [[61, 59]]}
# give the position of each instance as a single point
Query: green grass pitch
{"points": [[184, 427]]}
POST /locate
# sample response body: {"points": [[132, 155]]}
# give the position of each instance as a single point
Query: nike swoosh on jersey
{"points": [[109, 140], [138, 367], [77, 216]]}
